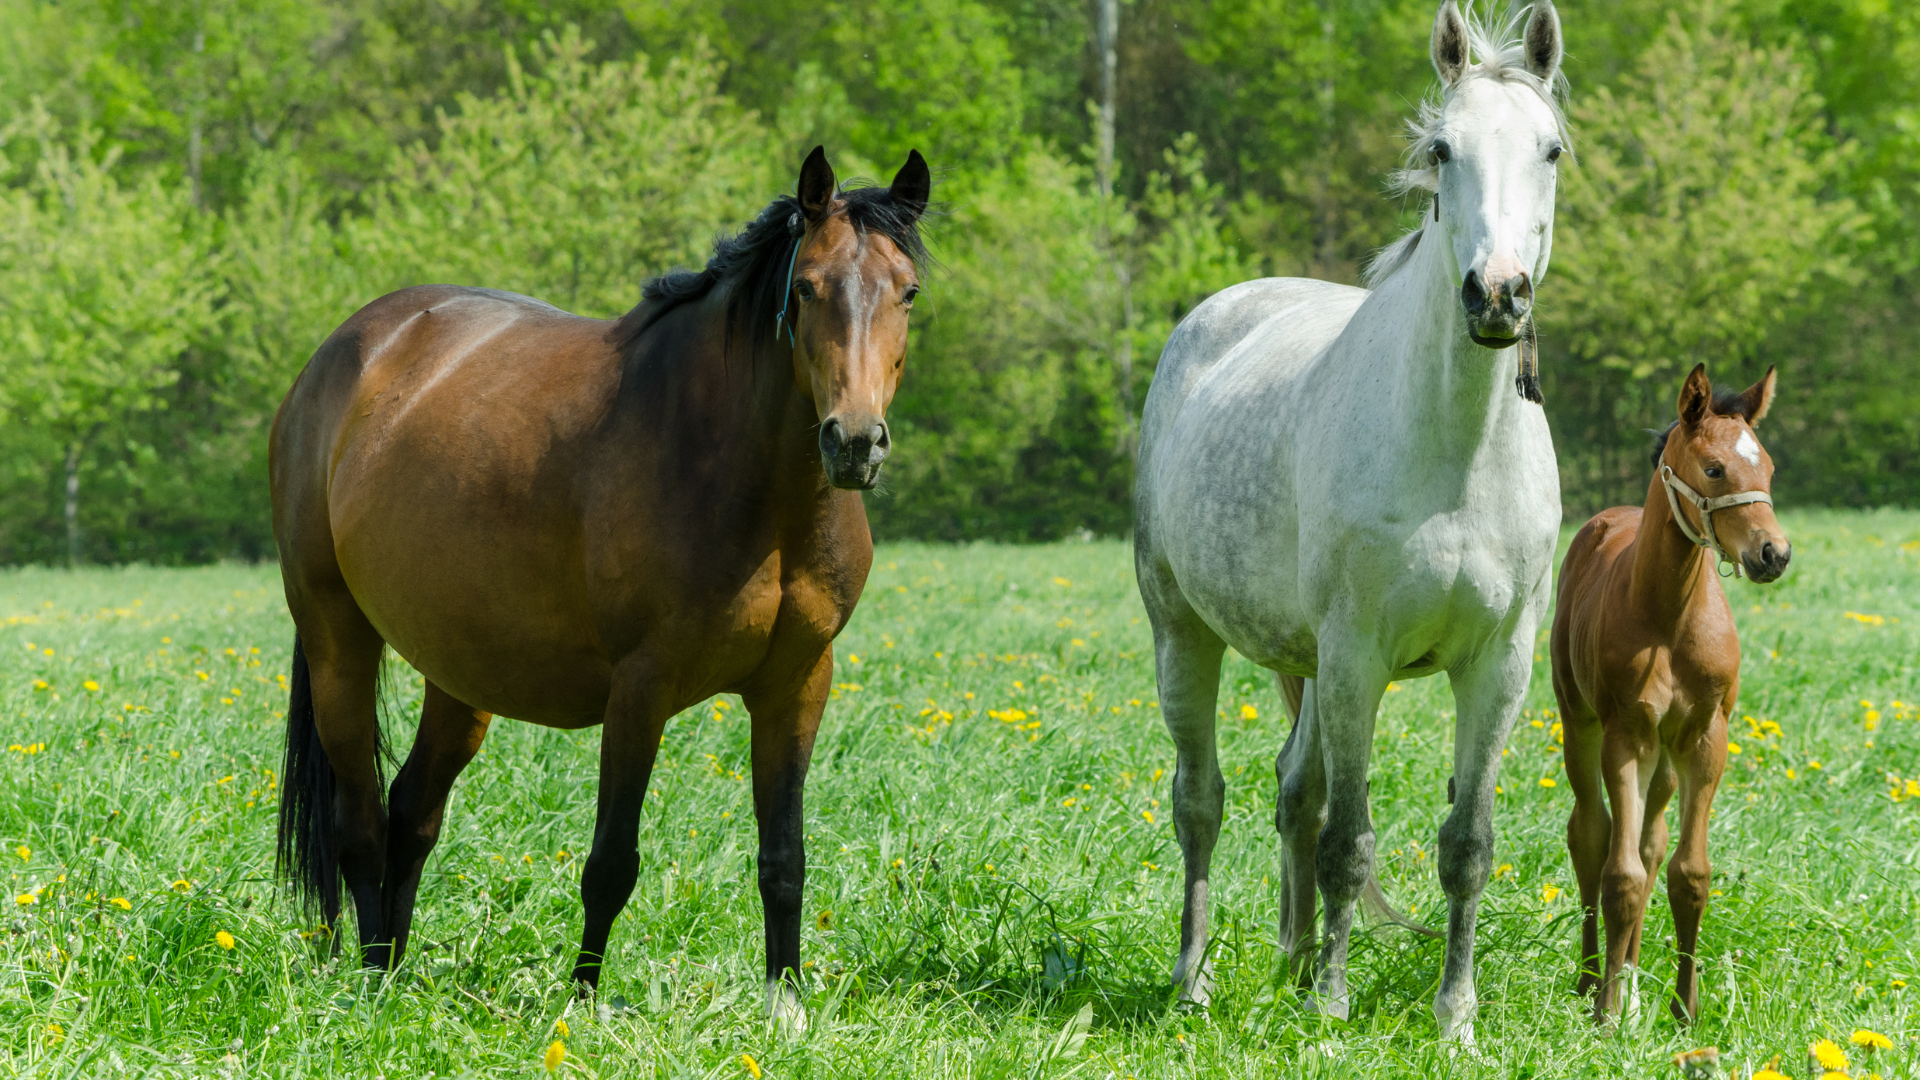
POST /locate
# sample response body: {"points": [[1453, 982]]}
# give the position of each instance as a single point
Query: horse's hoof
{"points": [[1195, 987], [784, 1010]]}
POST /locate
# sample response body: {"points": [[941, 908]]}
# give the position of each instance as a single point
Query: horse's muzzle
{"points": [[1768, 563], [1495, 315], [852, 457]]}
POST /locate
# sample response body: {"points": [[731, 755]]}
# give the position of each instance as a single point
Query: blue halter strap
{"points": [[780, 322]]}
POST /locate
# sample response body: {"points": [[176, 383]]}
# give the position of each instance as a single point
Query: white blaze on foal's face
{"points": [[1747, 448]]}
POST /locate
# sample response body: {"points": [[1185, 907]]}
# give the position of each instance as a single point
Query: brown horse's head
{"points": [[1712, 449], [854, 276]]}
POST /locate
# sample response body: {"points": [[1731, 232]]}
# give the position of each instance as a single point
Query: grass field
{"points": [[990, 851]]}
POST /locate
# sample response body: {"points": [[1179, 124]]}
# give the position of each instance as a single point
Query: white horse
{"points": [[1343, 485]]}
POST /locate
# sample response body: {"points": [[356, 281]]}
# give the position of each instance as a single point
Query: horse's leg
{"points": [[1487, 697], [450, 734], [1690, 875], [1299, 816], [785, 721], [343, 664], [1629, 762], [1345, 700], [1187, 669], [1653, 852], [1587, 831], [629, 740]]}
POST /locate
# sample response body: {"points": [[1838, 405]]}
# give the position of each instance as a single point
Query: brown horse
{"points": [[576, 521], [1646, 667]]}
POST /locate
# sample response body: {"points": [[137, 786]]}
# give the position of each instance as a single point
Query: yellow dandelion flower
{"points": [[24, 852], [1829, 1055], [56, 1033], [224, 940], [1504, 870], [1063, 583], [90, 686], [1548, 781], [1148, 814], [824, 920], [560, 1028], [746, 1060], [1768, 1074], [122, 903], [39, 684], [1733, 747], [1548, 892], [26, 898], [1834, 1074], [1896, 984], [183, 885], [555, 1054], [1248, 712], [1872, 1040]]}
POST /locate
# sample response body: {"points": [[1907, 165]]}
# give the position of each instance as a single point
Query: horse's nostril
{"points": [[1519, 291], [1473, 295], [883, 437]]}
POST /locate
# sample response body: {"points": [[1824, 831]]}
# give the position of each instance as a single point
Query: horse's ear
{"points": [[1696, 397], [1755, 400], [912, 185], [1543, 41], [816, 185], [1449, 43]]}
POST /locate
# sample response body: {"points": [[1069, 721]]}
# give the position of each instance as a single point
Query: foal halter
{"points": [[798, 230], [1677, 489]]}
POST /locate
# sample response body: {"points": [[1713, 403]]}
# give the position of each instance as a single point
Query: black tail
{"points": [[307, 856]]}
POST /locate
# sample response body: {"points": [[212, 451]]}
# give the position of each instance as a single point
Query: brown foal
{"points": [[1646, 667], [576, 521]]}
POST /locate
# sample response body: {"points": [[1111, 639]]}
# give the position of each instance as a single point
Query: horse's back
{"points": [[434, 416], [1215, 329]]}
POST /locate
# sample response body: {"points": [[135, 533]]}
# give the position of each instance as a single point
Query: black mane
{"points": [[758, 257], [1725, 403]]}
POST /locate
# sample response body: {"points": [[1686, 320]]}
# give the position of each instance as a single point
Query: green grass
{"points": [[974, 881]]}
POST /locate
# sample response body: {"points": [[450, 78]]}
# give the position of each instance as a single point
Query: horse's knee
{"points": [[1466, 855], [1343, 861], [1686, 880], [1298, 805], [608, 876]]}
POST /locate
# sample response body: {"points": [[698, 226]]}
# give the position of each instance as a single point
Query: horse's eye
{"points": [[912, 291], [1715, 472], [804, 288], [1554, 154], [1441, 151]]}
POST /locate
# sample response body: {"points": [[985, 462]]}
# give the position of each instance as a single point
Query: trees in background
{"points": [[196, 192]]}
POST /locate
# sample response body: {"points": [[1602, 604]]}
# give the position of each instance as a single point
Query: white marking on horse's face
{"points": [[1748, 448], [1497, 186]]}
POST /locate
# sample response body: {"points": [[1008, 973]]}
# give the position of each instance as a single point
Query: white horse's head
{"points": [[1487, 150]]}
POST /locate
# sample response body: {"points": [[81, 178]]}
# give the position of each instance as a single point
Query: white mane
{"points": [[1501, 55]]}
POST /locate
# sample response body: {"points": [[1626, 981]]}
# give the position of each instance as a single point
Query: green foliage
{"points": [[1746, 180], [977, 878], [1697, 219]]}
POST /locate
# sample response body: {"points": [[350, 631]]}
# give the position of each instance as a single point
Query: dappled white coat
{"points": [[1340, 484]]}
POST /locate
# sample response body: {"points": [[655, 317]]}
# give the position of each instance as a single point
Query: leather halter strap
{"points": [[1678, 489]]}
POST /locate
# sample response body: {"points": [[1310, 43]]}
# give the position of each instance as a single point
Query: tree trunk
{"points": [[1107, 37], [195, 119], [75, 556]]}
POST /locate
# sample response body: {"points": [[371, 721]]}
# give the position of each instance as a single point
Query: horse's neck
{"points": [[1452, 400], [763, 430], [1670, 574]]}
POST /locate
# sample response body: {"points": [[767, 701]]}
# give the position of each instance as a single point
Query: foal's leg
{"points": [[629, 740], [1630, 756], [1300, 815], [1187, 668], [1587, 831], [785, 721], [450, 734], [1344, 702], [1690, 875], [343, 664], [1487, 698]]}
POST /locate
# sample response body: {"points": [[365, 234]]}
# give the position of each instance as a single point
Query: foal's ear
{"points": [[1696, 397], [816, 185], [912, 185], [1543, 40], [1450, 43], [1755, 400]]}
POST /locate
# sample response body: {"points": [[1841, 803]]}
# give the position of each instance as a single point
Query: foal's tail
{"points": [[1373, 898], [306, 856]]}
